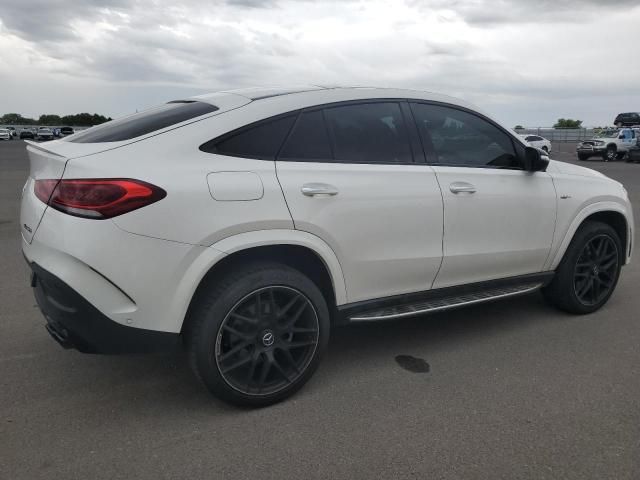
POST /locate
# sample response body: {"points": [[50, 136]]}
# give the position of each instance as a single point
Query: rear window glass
{"points": [[261, 141], [145, 122]]}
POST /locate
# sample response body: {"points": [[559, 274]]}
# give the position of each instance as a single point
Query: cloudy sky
{"points": [[526, 62]]}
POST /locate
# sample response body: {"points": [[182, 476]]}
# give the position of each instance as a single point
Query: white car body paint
{"points": [[391, 229]]}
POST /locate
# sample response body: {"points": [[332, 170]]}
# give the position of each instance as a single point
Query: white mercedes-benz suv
{"points": [[246, 224]]}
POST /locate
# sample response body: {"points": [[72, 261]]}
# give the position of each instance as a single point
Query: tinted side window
{"points": [[308, 140], [369, 133], [144, 122], [460, 138], [260, 141]]}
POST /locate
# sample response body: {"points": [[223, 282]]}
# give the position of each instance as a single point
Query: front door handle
{"points": [[318, 189], [462, 187]]}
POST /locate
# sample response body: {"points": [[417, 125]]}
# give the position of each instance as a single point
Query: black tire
{"points": [[226, 312], [582, 156], [570, 289], [610, 154]]}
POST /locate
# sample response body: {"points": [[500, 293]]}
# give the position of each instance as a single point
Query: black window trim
{"points": [[431, 155], [423, 156], [415, 156]]}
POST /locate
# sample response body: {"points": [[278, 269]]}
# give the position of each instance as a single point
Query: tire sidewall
{"points": [[567, 268], [606, 154], [213, 311]]}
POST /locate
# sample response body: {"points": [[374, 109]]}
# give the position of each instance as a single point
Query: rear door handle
{"points": [[318, 189], [462, 187]]}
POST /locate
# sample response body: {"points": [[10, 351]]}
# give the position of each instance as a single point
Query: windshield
{"points": [[607, 134]]}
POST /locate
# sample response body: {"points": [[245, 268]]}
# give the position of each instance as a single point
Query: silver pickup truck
{"points": [[608, 144]]}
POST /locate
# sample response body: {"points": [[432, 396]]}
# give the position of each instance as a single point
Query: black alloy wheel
{"points": [[595, 272], [257, 333], [589, 270], [267, 340]]}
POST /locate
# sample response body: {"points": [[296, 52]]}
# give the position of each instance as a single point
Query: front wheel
{"points": [[582, 156], [589, 270], [257, 335], [610, 154]]}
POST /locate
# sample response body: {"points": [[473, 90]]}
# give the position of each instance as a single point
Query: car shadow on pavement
{"points": [[166, 382]]}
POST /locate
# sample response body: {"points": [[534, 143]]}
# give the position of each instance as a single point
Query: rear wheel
{"points": [[589, 271], [257, 336]]}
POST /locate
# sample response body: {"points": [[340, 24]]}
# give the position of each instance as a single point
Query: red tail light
{"points": [[97, 198]]}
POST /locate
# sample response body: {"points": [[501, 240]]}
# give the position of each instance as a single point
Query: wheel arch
{"points": [[300, 250], [610, 213]]}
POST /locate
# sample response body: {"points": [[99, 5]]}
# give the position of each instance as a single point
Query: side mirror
{"points": [[621, 135], [534, 161]]}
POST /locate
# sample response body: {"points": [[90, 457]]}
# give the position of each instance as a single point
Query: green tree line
{"points": [[77, 120]]}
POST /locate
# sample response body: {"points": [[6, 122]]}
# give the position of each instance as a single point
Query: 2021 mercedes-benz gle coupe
{"points": [[246, 224]]}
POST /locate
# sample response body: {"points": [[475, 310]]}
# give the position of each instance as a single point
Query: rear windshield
{"points": [[144, 122]]}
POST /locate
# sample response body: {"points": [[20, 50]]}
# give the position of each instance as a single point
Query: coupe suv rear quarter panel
{"points": [[189, 213]]}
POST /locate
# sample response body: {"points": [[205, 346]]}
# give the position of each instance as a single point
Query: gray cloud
{"points": [[50, 20], [501, 12], [506, 55]]}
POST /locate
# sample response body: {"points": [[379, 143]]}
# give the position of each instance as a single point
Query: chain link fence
{"points": [[568, 135]]}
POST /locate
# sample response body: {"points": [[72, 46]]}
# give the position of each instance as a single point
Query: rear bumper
{"points": [[75, 323]]}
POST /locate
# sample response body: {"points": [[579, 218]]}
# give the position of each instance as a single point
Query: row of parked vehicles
{"points": [[35, 133], [612, 144], [621, 142]]}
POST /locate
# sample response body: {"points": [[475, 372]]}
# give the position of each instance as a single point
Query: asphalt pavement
{"points": [[506, 390]]}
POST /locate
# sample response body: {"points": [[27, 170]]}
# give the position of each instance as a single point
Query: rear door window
{"points": [[309, 140], [368, 133], [261, 140], [143, 123]]}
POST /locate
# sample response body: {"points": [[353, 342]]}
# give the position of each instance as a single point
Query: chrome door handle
{"points": [[462, 187], [316, 189]]}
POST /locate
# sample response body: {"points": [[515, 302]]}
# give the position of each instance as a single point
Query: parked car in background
{"points": [[66, 131], [537, 141], [27, 134], [629, 119], [5, 134], [44, 133], [633, 155], [608, 144], [275, 233]]}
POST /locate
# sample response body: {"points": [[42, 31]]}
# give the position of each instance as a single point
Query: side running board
{"points": [[444, 303]]}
